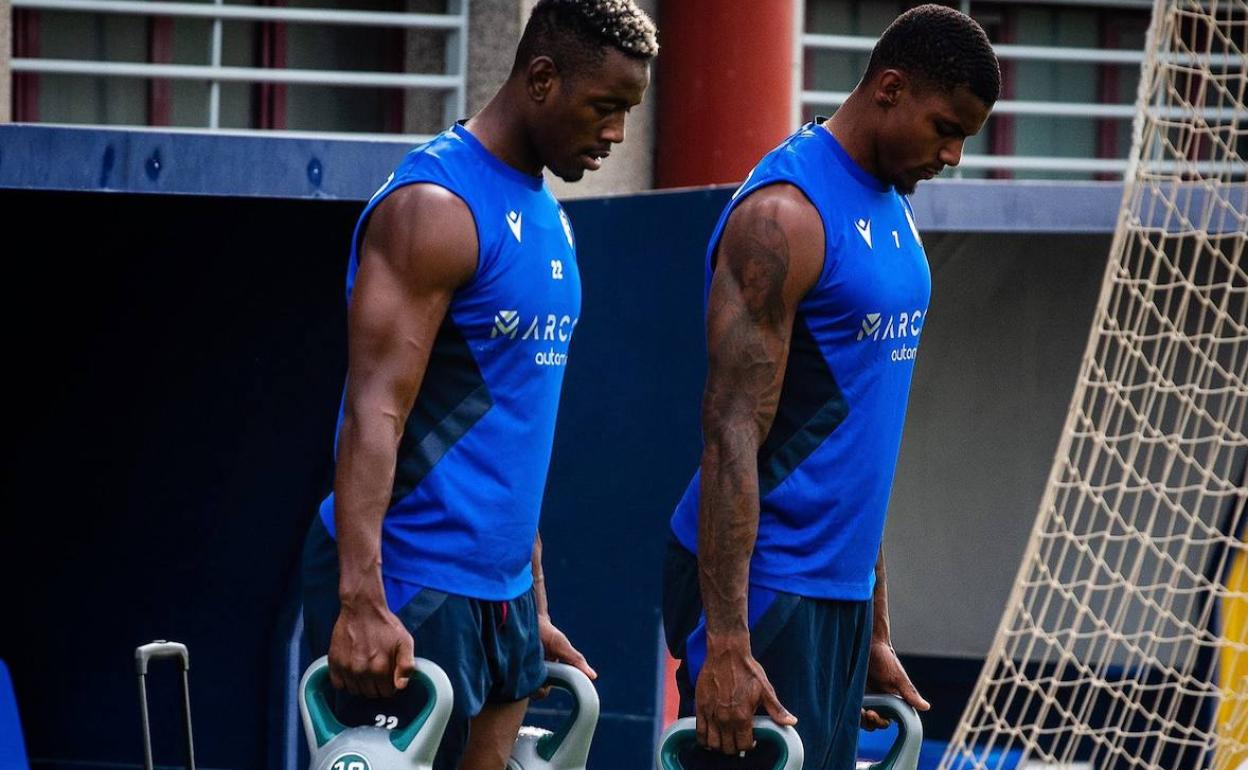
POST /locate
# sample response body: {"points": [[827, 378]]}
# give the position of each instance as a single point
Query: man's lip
{"points": [[594, 158]]}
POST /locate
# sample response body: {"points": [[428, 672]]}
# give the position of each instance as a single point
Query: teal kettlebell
{"points": [[681, 734], [412, 747], [567, 748], [904, 754]]}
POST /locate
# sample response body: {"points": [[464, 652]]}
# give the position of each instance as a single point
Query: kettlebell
{"points": [[567, 748], [681, 735], [412, 747], [904, 754]]}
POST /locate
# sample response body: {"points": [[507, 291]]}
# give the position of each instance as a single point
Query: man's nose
{"points": [[613, 131], [951, 154]]}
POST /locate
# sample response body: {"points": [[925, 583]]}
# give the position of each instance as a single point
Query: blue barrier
{"points": [[37, 157], [12, 747]]}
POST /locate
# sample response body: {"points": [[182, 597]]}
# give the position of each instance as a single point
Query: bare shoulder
{"points": [[778, 221], [425, 230], [782, 203]]}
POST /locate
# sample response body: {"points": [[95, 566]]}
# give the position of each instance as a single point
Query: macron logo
{"points": [[863, 226], [506, 323], [513, 221]]}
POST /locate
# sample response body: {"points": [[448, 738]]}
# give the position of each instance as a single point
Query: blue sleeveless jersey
{"points": [[475, 450], [826, 467]]}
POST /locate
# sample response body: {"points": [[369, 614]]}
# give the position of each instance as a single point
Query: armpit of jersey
{"points": [[811, 407], [453, 397]]}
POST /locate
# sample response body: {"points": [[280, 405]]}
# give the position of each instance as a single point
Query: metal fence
{"points": [[451, 82], [856, 44], [853, 44]]}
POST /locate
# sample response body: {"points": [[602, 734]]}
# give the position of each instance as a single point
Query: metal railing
{"points": [[1050, 109], [452, 82]]}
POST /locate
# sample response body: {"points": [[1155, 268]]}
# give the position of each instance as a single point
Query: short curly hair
{"points": [[575, 33], [941, 46]]}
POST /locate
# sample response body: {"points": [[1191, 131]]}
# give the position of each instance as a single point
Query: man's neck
{"points": [[854, 131], [499, 127]]}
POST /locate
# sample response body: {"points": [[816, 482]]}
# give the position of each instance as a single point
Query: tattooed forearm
{"points": [[748, 328]]}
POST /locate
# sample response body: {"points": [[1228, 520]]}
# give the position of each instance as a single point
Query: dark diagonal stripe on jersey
{"points": [[453, 396], [811, 407]]}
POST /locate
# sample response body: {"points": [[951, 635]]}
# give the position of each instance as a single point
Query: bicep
{"points": [[406, 280], [765, 264]]}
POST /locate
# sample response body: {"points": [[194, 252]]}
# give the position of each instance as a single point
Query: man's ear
{"points": [[889, 85], [541, 78]]}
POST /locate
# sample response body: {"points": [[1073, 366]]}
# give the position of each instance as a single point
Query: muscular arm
{"points": [[419, 246], [880, 629], [769, 258], [884, 670], [555, 643]]}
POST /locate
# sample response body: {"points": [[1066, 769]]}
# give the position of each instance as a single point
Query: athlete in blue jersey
{"points": [[463, 296], [817, 295]]}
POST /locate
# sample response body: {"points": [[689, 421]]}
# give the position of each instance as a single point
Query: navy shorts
{"points": [[815, 653], [490, 650]]}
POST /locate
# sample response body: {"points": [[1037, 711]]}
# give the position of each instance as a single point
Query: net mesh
{"points": [[1123, 644]]}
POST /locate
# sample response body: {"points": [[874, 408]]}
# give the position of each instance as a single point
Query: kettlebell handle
{"points": [[682, 733], [904, 753], [580, 723], [321, 726]]}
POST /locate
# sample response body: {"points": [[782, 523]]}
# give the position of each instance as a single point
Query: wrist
{"points": [[733, 641], [361, 594]]}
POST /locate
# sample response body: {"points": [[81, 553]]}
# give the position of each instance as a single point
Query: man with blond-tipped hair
{"points": [[463, 295]]}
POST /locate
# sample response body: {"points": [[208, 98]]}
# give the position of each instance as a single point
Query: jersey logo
{"points": [[908, 326], [567, 228], [870, 325], [506, 323], [863, 226], [513, 221]]}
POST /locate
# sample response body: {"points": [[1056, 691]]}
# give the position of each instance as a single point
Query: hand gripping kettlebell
{"points": [[904, 754], [681, 735], [567, 748], [335, 747]]}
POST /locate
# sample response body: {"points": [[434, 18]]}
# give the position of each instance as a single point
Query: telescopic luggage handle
{"points": [[143, 655]]}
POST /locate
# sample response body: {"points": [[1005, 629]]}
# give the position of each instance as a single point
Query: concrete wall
{"points": [[6, 52], [1009, 320]]}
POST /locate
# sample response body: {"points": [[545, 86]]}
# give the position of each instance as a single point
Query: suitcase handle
{"points": [[142, 656], [161, 649]]}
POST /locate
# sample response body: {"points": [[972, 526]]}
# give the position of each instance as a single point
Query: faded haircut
{"points": [[941, 46]]}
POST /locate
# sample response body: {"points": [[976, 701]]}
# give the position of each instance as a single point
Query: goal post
{"points": [[1124, 642]]}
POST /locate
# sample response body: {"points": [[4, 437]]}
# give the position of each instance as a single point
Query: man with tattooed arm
{"points": [[817, 293]]}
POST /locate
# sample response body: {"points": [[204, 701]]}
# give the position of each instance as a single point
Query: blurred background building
{"points": [[403, 69]]}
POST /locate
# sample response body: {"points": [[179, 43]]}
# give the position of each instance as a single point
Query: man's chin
{"points": [[571, 175]]}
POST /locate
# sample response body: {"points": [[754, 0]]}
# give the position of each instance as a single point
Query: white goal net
{"points": [[1125, 640]]}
